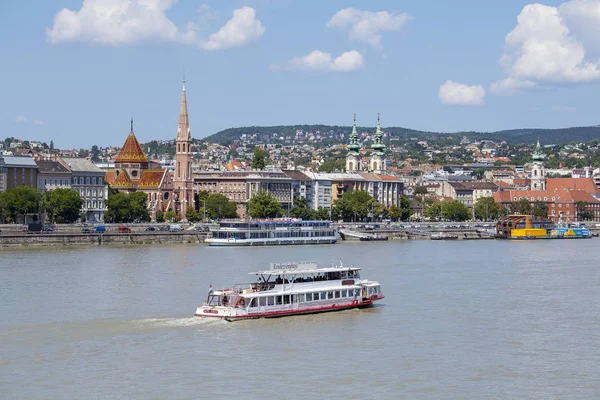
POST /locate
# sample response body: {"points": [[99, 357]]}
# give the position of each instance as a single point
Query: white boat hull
{"points": [[270, 242], [235, 314]]}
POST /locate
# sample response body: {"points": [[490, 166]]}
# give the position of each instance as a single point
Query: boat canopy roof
{"points": [[275, 272]]}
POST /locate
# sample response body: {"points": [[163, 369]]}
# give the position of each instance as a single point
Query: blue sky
{"points": [[75, 71]]}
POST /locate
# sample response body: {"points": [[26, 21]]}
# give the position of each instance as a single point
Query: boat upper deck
{"points": [[274, 225]]}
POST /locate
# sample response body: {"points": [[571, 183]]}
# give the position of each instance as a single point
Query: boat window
{"points": [[271, 300], [301, 298], [344, 293], [253, 302], [308, 296], [286, 299], [278, 300], [344, 274], [337, 294], [323, 295], [263, 301], [330, 295]]}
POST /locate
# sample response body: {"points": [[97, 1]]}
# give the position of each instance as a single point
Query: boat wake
{"points": [[81, 330]]}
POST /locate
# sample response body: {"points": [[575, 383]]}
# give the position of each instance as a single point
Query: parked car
{"points": [[175, 228], [124, 229], [47, 229], [150, 228], [86, 229], [99, 228], [202, 228]]}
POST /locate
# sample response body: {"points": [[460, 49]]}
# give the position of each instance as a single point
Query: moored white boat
{"points": [[292, 289], [273, 233]]}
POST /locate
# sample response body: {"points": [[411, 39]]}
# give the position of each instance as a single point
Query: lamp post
{"points": [[204, 208]]}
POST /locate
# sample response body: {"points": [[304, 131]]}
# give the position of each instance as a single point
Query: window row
{"points": [[304, 297], [81, 180]]}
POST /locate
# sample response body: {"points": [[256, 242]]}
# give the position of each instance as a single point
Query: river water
{"points": [[461, 320]]}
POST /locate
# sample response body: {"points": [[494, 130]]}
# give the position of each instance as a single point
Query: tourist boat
{"points": [[443, 236], [274, 232], [292, 288], [376, 237]]}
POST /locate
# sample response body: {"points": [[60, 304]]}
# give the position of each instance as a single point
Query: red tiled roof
{"points": [[122, 181], [150, 179], [585, 184]]}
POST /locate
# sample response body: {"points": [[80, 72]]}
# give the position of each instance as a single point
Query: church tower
{"points": [[538, 172], [183, 184], [353, 156], [377, 163]]}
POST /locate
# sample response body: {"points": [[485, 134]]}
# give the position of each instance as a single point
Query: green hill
{"points": [[331, 132]]}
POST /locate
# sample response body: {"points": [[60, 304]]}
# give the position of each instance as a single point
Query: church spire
{"points": [[183, 130], [353, 146], [131, 130], [378, 145], [538, 155]]}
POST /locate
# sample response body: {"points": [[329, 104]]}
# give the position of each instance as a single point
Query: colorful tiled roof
{"points": [[131, 152], [122, 181], [151, 179], [110, 176]]}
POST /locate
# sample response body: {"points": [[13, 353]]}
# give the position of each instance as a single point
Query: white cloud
{"points": [[564, 108], [118, 22], [242, 28], [20, 119], [38, 122], [320, 61], [510, 85], [460, 94], [543, 48], [367, 26]]}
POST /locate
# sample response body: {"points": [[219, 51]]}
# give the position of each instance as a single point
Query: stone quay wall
{"points": [[100, 239]]}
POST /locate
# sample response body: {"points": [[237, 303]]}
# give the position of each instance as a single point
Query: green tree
{"points": [[406, 208], [19, 201], [486, 208], [394, 213], [583, 212], [264, 205], [62, 205], [200, 198], [433, 211], [521, 207], [171, 216], [160, 216], [322, 214], [192, 215], [333, 165], [95, 153], [540, 209], [218, 206], [420, 190], [258, 161], [357, 206], [138, 206], [454, 210], [301, 210], [123, 207]]}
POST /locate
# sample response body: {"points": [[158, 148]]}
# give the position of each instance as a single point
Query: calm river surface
{"points": [[461, 320]]}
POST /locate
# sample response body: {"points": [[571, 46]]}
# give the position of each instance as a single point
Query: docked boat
{"points": [[270, 233], [292, 288], [443, 236], [526, 227], [375, 237]]}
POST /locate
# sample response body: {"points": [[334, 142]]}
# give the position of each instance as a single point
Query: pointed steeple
{"points": [[378, 145], [353, 146], [183, 130], [131, 152], [538, 155]]}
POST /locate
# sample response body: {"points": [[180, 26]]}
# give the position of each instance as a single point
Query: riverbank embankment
{"points": [[100, 239]]}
